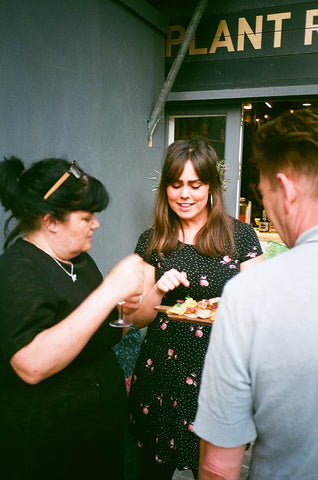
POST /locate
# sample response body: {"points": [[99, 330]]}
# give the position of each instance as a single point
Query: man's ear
{"points": [[50, 222], [288, 188]]}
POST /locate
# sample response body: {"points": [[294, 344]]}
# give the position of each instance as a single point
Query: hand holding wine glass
{"points": [[127, 280], [131, 305]]}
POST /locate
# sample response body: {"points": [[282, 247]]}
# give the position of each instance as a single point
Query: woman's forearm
{"points": [[154, 292], [56, 347], [147, 313]]}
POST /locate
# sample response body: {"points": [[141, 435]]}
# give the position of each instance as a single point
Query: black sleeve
{"points": [[142, 246], [246, 241], [26, 306]]}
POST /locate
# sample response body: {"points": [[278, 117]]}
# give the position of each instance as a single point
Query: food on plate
{"points": [[182, 306], [190, 308], [191, 312], [207, 308], [177, 309]]}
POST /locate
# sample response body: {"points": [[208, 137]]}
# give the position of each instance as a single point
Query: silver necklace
{"points": [[70, 274]]}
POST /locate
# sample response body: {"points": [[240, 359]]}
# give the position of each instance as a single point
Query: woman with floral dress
{"points": [[193, 248]]}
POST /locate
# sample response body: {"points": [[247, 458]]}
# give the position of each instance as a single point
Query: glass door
{"points": [[222, 129]]}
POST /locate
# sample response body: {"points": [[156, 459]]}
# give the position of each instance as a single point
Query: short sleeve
{"points": [[26, 306], [142, 246], [224, 416], [246, 241], [36, 294]]}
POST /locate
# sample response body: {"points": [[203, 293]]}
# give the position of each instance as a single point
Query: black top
{"points": [[71, 415], [166, 380]]}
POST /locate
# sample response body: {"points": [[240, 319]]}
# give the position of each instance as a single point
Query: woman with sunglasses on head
{"points": [[193, 249], [63, 397]]}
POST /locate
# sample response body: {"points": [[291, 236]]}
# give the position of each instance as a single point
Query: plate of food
{"points": [[189, 310]]}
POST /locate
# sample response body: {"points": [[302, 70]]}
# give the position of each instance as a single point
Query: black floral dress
{"points": [[167, 376]]}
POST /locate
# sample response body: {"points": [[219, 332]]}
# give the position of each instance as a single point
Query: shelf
{"points": [[267, 236]]}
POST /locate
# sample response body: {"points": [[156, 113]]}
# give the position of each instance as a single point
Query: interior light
{"points": [[306, 104], [247, 106], [266, 116], [269, 105]]}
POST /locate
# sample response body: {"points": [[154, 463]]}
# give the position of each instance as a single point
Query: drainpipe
{"points": [[174, 70]]}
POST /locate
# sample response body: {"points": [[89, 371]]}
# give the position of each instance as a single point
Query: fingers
{"points": [[128, 276], [132, 302], [172, 279]]}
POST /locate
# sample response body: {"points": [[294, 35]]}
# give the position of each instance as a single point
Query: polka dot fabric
{"points": [[166, 379]]}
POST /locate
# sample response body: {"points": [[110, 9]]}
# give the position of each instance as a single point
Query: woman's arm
{"points": [[151, 297], [154, 292], [251, 262], [55, 348]]}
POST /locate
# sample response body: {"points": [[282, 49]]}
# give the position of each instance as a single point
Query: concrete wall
{"points": [[79, 78]]}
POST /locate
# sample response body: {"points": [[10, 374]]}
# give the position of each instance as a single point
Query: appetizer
{"points": [[190, 308]]}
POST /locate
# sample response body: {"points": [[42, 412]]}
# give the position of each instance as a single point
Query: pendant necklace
{"points": [[70, 274]]}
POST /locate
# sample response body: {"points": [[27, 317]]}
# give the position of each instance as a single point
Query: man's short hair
{"points": [[289, 142]]}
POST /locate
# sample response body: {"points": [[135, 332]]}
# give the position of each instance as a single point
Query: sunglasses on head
{"points": [[74, 169]]}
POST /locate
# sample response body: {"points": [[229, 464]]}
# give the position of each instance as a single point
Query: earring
{"points": [[211, 199]]}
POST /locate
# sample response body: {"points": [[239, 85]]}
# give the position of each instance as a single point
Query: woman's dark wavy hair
{"points": [[22, 192], [216, 236]]}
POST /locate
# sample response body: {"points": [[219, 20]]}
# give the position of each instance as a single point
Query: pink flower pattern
{"points": [[203, 281]]}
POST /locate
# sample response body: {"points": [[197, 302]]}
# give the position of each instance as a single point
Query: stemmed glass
{"points": [[120, 322]]}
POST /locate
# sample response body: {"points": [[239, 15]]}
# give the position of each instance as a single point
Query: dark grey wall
{"points": [[79, 79]]}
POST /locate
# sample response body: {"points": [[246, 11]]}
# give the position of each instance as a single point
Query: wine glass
{"points": [[120, 322]]}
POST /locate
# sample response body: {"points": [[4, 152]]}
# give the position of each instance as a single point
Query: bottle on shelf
{"points": [[243, 208], [263, 225], [249, 212]]}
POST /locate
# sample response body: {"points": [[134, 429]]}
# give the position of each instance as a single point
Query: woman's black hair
{"points": [[22, 192]]}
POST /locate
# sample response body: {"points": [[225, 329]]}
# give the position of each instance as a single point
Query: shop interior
{"points": [[255, 115], [212, 128]]}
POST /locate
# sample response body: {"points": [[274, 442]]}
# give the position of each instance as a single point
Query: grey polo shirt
{"points": [[260, 377]]}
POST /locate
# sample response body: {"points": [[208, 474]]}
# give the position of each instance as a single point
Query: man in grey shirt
{"points": [[260, 378]]}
